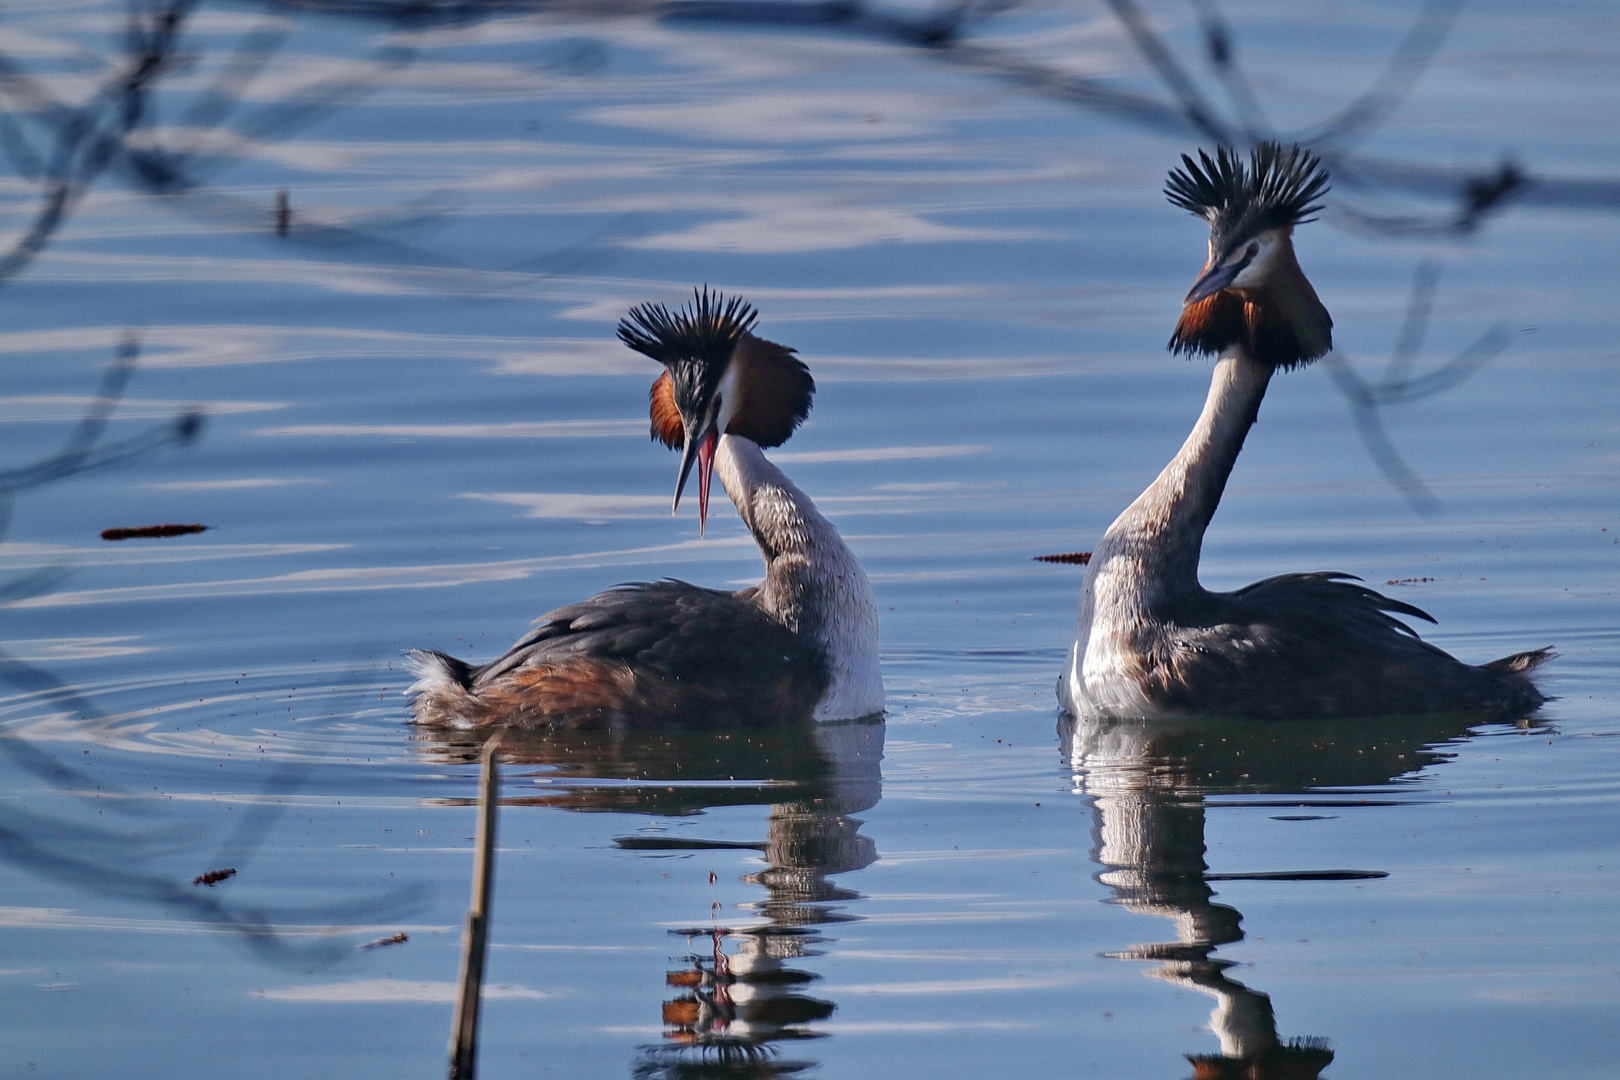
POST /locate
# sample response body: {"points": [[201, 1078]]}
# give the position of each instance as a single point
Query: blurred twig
{"points": [[87, 138], [1479, 198], [1222, 52], [93, 857], [85, 450], [1400, 76], [1187, 112], [1189, 98], [1398, 386], [42, 846]]}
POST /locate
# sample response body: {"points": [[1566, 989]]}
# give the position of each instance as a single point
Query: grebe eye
{"points": [[1254, 249]]}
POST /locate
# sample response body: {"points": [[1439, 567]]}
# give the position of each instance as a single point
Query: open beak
{"points": [[699, 452], [1214, 280]]}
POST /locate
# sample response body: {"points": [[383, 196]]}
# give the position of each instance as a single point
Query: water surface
{"points": [[421, 433]]}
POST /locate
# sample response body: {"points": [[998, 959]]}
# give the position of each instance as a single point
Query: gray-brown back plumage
{"points": [[1317, 645], [638, 654]]}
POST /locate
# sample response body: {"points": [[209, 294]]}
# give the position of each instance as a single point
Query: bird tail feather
{"points": [[435, 670], [1523, 662]]}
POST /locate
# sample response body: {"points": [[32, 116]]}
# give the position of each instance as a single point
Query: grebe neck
{"points": [[1165, 526], [1145, 569], [813, 584]]}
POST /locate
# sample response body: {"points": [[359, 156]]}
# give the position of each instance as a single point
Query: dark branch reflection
{"points": [[1149, 781], [103, 839], [740, 994]]}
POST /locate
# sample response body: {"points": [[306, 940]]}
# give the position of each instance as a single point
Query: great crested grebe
{"points": [[1151, 641], [802, 644]]}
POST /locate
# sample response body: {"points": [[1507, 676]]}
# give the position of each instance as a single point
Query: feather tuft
{"points": [[708, 327], [1523, 662], [1275, 189], [777, 391], [437, 673], [667, 426]]}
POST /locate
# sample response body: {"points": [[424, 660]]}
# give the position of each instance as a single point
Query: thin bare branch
{"points": [[1158, 55], [1415, 327], [1370, 426], [1221, 49], [1398, 386], [1406, 65], [1454, 372]]}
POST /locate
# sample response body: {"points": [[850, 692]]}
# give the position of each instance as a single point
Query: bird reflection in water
{"points": [[1149, 780], [739, 994]]}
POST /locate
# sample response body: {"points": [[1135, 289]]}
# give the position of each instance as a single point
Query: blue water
{"points": [[420, 432]]}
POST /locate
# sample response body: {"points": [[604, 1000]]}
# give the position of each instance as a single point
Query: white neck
{"points": [[1165, 525], [813, 583], [1148, 559]]}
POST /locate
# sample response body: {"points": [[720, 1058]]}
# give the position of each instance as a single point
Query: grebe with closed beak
{"points": [[802, 644], [1151, 641]]}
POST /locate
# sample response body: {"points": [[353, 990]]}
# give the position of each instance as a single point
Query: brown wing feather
{"points": [[1317, 645], [663, 653]]}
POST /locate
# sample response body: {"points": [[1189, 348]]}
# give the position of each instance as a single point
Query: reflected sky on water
{"points": [[420, 433]]}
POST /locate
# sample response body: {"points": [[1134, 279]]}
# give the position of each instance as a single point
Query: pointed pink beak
{"points": [[701, 454], [705, 473]]}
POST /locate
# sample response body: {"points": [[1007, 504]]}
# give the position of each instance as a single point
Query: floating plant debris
{"points": [[146, 532], [1073, 558], [682, 843], [1408, 580], [1301, 875], [213, 877], [392, 939]]}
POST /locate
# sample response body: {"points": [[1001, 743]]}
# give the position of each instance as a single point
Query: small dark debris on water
{"points": [[151, 532], [1408, 581], [1302, 875], [283, 213], [674, 843], [392, 939], [1073, 558], [213, 877]]}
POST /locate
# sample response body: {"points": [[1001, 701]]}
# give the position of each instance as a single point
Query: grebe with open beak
{"points": [[1151, 641], [800, 644]]}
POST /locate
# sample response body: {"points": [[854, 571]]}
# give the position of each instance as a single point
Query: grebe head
{"points": [[1252, 291], [718, 379]]}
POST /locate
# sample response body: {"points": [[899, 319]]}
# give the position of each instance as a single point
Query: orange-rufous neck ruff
{"points": [[1281, 323]]}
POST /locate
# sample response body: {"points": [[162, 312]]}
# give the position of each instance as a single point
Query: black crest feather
{"points": [[697, 344], [1276, 188], [706, 328]]}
